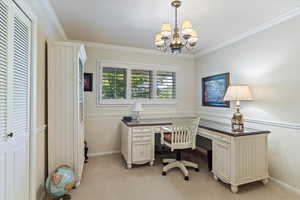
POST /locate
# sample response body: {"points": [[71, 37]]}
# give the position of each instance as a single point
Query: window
{"points": [[125, 83], [166, 85], [114, 83], [141, 84]]}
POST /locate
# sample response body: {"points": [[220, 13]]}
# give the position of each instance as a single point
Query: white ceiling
{"points": [[135, 22]]}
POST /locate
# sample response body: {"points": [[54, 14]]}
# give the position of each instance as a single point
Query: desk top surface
{"points": [[205, 124]]}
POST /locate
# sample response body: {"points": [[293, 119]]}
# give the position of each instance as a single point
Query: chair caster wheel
{"points": [[164, 164], [164, 173], [197, 169], [186, 178]]}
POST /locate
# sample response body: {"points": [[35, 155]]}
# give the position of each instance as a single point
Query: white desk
{"points": [[238, 158]]}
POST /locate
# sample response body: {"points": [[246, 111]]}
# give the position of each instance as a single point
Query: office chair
{"points": [[180, 135]]}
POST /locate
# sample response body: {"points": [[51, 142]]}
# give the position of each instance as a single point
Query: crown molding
{"points": [[131, 49], [275, 21], [48, 19]]}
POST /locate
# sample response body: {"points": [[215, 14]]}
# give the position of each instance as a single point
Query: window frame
{"points": [[128, 100]]}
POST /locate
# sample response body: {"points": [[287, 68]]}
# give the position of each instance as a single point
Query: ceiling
{"points": [[135, 22]]}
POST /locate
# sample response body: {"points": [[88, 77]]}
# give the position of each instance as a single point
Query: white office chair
{"points": [[181, 135]]}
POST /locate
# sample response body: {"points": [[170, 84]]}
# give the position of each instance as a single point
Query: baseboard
{"points": [[286, 186], [103, 153]]}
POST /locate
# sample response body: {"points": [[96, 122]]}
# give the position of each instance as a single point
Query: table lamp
{"points": [[137, 109], [238, 93]]}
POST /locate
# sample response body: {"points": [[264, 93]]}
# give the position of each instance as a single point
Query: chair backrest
{"points": [[184, 133]]}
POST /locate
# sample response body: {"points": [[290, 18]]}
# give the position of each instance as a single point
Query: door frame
{"points": [[24, 6]]}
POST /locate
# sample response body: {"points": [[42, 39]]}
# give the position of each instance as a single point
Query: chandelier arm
{"points": [[188, 46], [164, 48]]}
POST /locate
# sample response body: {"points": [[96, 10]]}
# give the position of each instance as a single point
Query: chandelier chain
{"points": [[176, 25]]}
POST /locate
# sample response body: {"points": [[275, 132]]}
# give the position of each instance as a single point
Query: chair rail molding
{"points": [[250, 120], [294, 12], [167, 114]]}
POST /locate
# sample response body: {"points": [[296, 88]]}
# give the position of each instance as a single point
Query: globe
{"points": [[61, 181]]}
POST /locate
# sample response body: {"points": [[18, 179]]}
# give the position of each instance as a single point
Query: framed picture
{"points": [[214, 89], [88, 82]]}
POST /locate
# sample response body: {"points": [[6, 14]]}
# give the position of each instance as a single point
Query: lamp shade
{"points": [[194, 37], [187, 25], [158, 40], [166, 30], [187, 29], [137, 107], [238, 93]]}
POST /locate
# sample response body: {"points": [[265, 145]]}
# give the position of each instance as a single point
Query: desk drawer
{"points": [[142, 138], [214, 135], [142, 130]]}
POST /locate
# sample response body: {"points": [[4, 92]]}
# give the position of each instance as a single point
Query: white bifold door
{"points": [[15, 48]]}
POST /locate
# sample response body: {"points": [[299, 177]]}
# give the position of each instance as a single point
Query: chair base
{"points": [[181, 164]]}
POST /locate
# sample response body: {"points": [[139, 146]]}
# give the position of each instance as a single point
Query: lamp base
{"points": [[237, 121], [136, 116]]}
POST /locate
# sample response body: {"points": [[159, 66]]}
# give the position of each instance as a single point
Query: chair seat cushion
{"points": [[168, 137]]}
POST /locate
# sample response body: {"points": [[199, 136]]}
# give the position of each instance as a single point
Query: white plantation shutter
{"points": [[114, 83], [21, 73], [141, 84], [3, 67], [166, 85]]}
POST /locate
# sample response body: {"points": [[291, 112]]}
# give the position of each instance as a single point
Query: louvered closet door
{"points": [[20, 101], [15, 40], [5, 172]]}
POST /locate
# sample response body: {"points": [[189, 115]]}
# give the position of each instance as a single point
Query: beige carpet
{"points": [[106, 178]]}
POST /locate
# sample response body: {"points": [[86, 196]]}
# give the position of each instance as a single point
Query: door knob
{"points": [[10, 135]]}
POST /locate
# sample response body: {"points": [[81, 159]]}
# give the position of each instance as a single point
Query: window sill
{"points": [[143, 101]]}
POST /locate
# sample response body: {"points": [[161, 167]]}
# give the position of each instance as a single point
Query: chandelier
{"points": [[175, 42]]}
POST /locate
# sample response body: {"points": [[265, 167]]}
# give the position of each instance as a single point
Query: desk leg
{"points": [[216, 178], [265, 181], [209, 159], [129, 165], [234, 188]]}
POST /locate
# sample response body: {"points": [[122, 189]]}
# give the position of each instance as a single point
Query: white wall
{"points": [[48, 28], [269, 62], [102, 122], [40, 134]]}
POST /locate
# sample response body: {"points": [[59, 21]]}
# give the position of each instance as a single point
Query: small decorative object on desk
{"points": [[137, 109], [238, 93], [60, 183], [127, 118]]}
